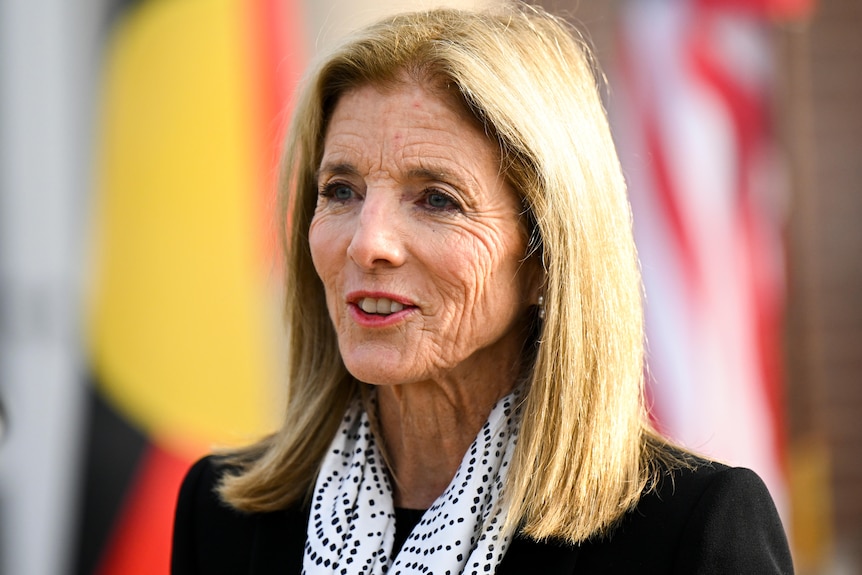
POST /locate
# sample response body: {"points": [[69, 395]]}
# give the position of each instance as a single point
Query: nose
{"points": [[377, 238]]}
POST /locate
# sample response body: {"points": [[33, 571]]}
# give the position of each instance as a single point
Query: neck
{"points": [[427, 428]]}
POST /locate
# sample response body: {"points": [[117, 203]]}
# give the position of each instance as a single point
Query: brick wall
{"points": [[820, 107]]}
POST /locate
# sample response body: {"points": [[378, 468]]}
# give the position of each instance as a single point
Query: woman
{"points": [[466, 340]]}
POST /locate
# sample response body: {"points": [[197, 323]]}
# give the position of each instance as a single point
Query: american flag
{"points": [[691, 109]]}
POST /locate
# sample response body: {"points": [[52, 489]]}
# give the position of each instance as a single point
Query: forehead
{"points": [[407, 119], [431, 85]]}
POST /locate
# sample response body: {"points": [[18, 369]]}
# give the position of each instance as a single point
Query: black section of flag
{"points": [[113, 452]]}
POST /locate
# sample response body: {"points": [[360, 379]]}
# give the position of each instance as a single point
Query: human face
{"points": [[416, 237]]}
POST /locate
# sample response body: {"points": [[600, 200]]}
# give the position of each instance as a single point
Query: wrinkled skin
{"points": [[411, 205], [412, 209]]}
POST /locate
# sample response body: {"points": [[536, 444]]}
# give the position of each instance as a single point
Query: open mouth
{"points": [[379, 306]]}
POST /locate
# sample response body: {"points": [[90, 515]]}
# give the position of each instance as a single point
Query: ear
{"points": [[535, 278]]}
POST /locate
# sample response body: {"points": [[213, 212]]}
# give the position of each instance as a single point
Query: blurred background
{"points": [[139, 280]]}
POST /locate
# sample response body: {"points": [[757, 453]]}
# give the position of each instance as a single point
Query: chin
{"points": [[381, 363], [374, 375], [376, 370]]}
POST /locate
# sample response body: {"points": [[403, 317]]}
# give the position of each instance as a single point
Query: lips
{"points": [[378, 308]]}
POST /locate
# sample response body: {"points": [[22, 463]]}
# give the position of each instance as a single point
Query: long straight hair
{"points": [[586, 450]]}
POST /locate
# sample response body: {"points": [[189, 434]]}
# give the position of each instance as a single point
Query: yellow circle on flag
{"points": [[181, 317]]}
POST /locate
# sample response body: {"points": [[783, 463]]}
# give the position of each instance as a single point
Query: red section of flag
{"points": [[141, 541], [777, 9], [278, 57]]}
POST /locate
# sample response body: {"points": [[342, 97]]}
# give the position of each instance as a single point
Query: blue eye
{"points": [[342, 193], [337, 191], [440, 201]]}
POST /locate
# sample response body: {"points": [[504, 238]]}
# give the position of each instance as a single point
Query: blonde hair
{"points": [[586, 449]]}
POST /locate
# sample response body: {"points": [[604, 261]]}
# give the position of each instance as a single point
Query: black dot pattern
{"points": [[351, 528]]}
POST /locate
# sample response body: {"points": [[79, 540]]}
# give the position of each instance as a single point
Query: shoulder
{"points": [[211, 537], [199, 494], [701, 517], [204, 525]]}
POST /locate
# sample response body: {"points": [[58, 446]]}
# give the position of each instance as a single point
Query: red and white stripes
{"points": [[690, 108]]}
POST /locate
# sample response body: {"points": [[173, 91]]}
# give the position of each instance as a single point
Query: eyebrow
{"points": [[443, 175], [339, 168], [432, 173]]}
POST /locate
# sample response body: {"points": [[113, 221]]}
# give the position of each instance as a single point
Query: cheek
{"points": [[323, 246], [504, 293], [327, 263], [458, 264], [483, 279], [324, 256]]}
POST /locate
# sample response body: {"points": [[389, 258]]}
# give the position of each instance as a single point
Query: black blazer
{"points": [[712, 520]]}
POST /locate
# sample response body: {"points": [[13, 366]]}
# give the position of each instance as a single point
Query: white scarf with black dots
{"points": [[351, 528]]}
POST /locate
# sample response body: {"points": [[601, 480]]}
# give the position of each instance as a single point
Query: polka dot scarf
{"points": [[351, 529]]}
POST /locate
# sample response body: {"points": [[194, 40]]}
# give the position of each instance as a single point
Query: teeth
{"points": [[382, 306]]}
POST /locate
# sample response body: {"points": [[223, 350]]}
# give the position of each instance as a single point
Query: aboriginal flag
{"points": [[182, 323]]}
